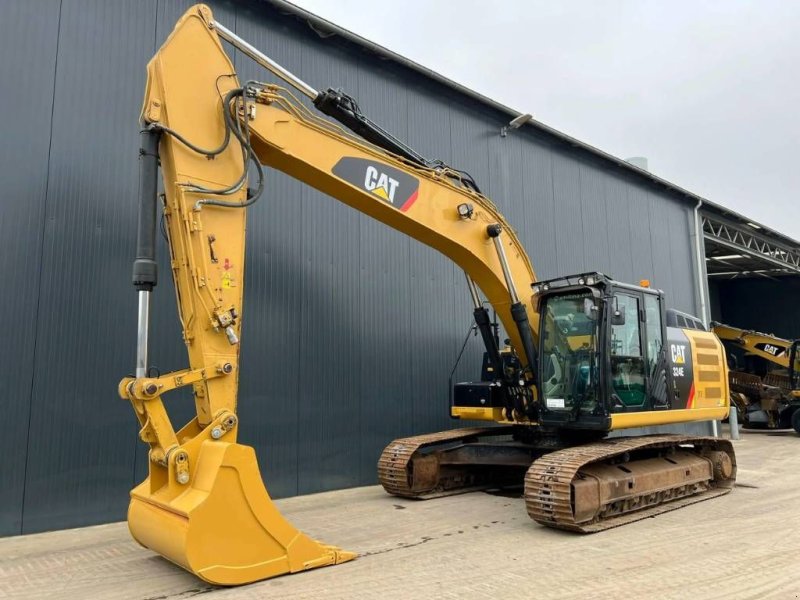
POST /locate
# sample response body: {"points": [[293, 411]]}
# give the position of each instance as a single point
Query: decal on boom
{"points": [[384, 181], [772, 349]]}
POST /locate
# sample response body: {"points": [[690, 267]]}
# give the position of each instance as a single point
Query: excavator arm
{"points": [[764, 399], [778, 351], [204, 505]]}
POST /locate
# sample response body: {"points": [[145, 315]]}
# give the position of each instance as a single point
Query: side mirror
{"points": [[617, 317], [590, 309]]}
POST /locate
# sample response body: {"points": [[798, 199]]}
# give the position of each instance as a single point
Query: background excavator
{"points": [[585, 355], [764, 377]]}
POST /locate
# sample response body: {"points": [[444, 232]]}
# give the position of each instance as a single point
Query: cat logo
{"points": [[390, 184], [380, 184], [771, 349], [678, 352]]}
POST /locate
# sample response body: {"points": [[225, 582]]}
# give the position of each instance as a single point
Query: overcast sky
{"points": [[708, 91]]}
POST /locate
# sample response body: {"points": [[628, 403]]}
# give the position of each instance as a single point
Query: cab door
{"points": [[659, 377], [628, 380]]}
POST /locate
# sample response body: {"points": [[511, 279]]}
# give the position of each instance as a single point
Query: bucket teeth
{"points": [[339, 555]]}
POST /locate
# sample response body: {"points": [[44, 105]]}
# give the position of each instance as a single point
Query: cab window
{"points": [[625, 333], [627, 362], [652, 310]]}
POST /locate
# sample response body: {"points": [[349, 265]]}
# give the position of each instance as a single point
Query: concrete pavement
{"points": [[743, 545]]}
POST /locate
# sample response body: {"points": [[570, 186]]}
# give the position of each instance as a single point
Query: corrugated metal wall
{"points": [[350, 327]]}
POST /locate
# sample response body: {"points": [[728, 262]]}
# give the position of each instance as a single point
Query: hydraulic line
{"points": [[232, 125], [208, 153]]}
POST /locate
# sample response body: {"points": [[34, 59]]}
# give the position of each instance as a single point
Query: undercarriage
{"points": [[569, 483], [765, 403]]}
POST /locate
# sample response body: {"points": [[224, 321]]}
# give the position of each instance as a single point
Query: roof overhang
{"points": [[737, 248]]}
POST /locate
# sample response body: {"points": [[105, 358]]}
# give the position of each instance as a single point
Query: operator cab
{"points": [[601, 350]]}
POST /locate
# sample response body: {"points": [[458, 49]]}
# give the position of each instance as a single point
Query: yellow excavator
{"points": [[585, 355], [765, 378]]}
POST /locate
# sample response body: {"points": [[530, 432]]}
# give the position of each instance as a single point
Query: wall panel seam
{"points": [[41, 273]]}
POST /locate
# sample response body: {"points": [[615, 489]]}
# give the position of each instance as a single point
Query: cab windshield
{"points": [[794, 357], [569, 352]]}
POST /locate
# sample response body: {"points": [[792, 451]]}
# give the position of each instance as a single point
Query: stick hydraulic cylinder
{"points": [[145, 273]]}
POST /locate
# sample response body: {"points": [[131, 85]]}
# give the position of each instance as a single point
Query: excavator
{"points": [[585, 355], [765, 378]]}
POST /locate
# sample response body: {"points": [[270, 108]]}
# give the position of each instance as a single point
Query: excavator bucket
{"points": [[224, 527]]}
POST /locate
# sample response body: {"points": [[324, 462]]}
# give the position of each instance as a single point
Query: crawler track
{"points": [[585, 488], [409, 467], [550, 492]]}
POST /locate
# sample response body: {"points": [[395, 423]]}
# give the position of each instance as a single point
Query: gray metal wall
{"points": [[350, 328]]}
